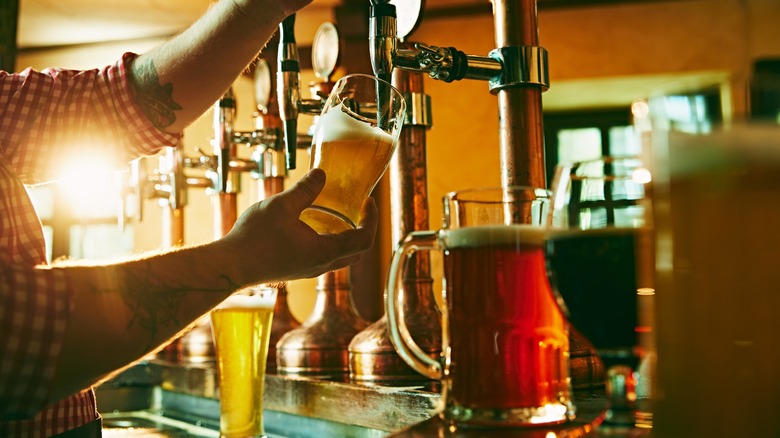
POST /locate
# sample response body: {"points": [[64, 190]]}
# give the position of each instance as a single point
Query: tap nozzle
{"points": [[383, 37], [288, 87]]}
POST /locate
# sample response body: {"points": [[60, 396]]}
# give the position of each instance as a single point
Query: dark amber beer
{"points": [[242, 327], [507, 337], [505, 342]]}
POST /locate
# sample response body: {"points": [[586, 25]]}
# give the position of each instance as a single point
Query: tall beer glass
{"points": [[242, 327], [354, 139], [717, 210], [505, 341]]}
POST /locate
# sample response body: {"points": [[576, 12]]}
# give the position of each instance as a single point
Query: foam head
{"points": [[338, 124], [495, 235], [240, 301]]}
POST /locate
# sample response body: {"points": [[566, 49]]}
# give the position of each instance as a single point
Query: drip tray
{"points": [[148, 424]]}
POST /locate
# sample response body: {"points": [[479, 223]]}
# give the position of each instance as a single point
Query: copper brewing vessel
{"points": [[283, 322], [318, 348], [373, 359]]}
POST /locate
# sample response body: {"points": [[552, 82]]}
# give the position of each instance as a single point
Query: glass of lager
{"points": [[505, 341], [354, 139], [242, 327]]}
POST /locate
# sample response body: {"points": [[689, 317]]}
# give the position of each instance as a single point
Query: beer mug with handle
{"points": [[354, 139], [505, 342]]}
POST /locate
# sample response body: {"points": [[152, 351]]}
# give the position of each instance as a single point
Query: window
{"points": [[583, 135]]}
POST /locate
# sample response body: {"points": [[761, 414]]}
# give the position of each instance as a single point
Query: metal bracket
{"points": [[521, 66]]}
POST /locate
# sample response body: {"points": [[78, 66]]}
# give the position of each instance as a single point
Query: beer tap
{"points": [[373, 359], [289, 78], [168, 185], [318, 348], [197, 345], [382, 38], [289, 90], [516, 72], [224, 169]]}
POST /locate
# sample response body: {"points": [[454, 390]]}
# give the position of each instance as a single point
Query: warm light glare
{"points": [[640, 109], [641, 176], [645, 291], [554, 412], [90, 188]]}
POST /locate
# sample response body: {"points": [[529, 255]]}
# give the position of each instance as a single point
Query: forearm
{"points": [[178, 81], [122, 312]]}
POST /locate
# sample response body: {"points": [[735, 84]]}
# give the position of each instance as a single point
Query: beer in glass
{"points": [[717, 210], [505, 341], [354, 139], [242, 328]]}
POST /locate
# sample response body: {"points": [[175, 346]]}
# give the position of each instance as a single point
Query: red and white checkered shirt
{"points": [[46, 118]]}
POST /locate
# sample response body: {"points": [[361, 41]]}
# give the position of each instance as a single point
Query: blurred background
{"points": [[719, 59]]}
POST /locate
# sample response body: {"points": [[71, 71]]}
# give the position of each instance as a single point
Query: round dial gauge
{"points": [[409, 13], [262, 85], [325, 50]]}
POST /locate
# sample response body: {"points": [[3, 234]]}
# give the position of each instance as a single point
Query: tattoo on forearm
{"points": [[154, 99], [154, 302]]}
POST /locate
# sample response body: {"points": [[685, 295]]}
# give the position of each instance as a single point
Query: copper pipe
{"points": [[521, 131], [408, 173], [521, 140], [270, 186], [372, 356], [173, 226], [225, 211]]}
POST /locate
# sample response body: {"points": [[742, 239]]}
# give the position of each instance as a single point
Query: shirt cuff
{"points": [[142, 135]]}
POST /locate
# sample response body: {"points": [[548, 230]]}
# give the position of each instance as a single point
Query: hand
{"points": [[270, 243]]}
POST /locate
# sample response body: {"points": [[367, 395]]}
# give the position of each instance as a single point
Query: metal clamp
{"points": [[521, 65], [418, 110]]}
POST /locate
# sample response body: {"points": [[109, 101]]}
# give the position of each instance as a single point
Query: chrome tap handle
{"points": [[288, 86], [383, 39]]}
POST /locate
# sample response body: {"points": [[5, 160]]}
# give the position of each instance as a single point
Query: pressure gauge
{"points": [[409, 13], [262, 85], [325, 51]]}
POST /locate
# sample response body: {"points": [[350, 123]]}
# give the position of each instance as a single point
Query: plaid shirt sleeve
{"points": [[35, 304], [48, 117]]}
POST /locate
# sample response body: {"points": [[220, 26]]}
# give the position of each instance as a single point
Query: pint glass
{"points": [[717, 210], [354, 139], [505, 341], [242, 327]]}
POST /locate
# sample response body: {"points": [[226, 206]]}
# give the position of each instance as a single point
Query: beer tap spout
{"points": [[383, 39], [288, 86]]}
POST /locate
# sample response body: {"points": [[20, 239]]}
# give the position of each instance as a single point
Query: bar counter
{"points": [[181, 399]]}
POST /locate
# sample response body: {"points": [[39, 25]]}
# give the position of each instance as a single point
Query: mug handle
{"points": [[402, 340]]}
